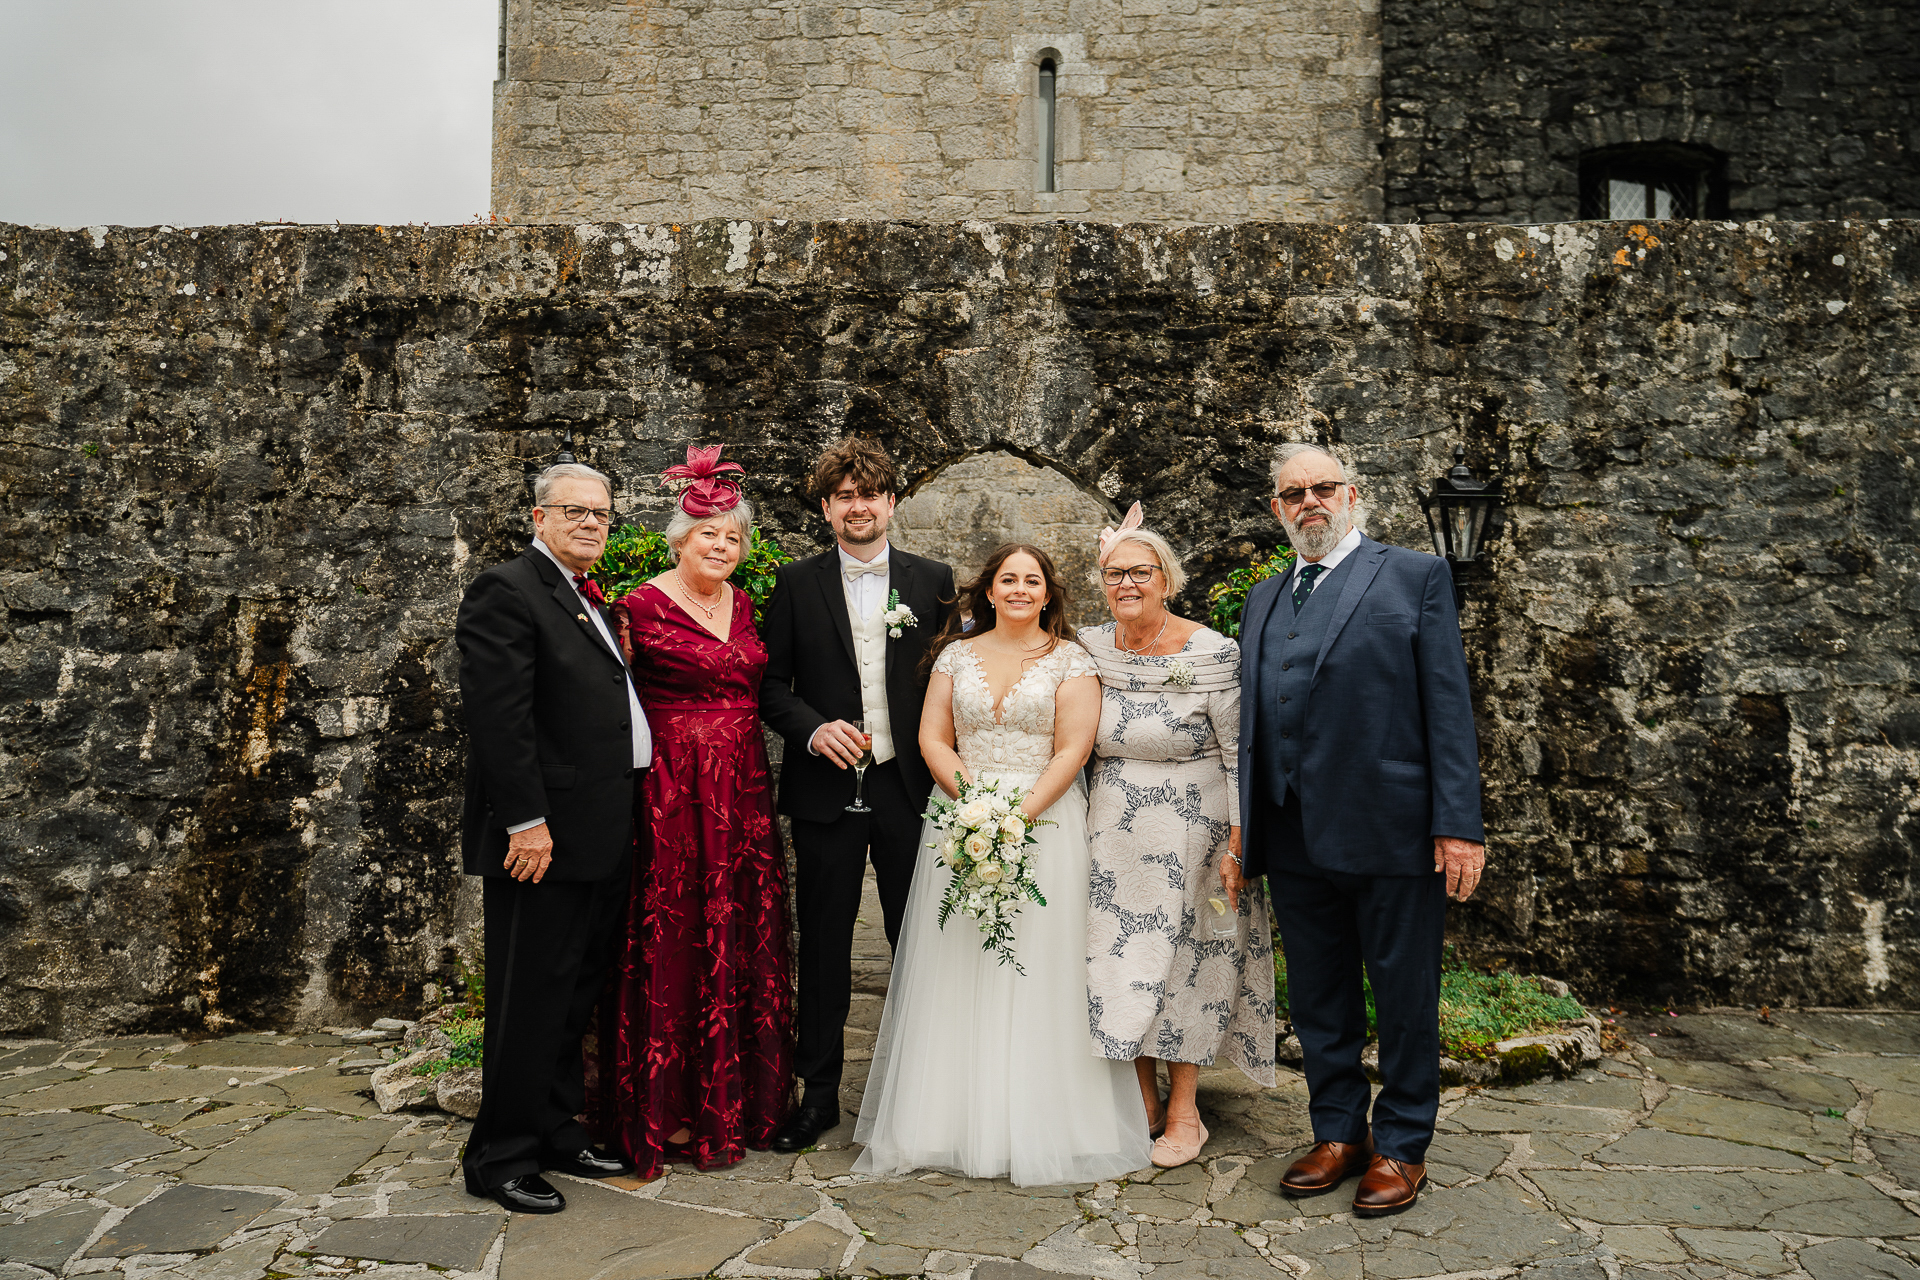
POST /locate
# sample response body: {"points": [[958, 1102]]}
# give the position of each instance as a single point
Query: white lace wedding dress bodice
{"points": [[1017, 743], [980, 1069]]}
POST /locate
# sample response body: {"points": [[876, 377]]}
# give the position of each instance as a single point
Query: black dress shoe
{"points": [[804, 1127], [588, 1162], [528, 1193]]}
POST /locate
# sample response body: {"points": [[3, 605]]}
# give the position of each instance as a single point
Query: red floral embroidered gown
{"points": [[696, 1028]]}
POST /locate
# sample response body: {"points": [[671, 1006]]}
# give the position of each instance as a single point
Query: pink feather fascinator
{"points": [[707, 486], [1110, 536]]}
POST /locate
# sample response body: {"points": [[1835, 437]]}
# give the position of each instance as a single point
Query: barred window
{"points": [[1043, 118], [1653, 180]]}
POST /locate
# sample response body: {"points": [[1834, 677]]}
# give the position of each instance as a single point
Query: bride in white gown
{"points": [[980, 1069]]}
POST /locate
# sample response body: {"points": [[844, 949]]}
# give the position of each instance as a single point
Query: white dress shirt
{"points": [[642, 735], [1331, 561], [866, 591]]}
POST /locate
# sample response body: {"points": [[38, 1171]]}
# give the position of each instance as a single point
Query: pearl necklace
{"points": [[1121, 645], [720, 596]]}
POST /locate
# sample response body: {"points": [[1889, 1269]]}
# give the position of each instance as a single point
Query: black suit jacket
{"points": [[549, 725], [811, 677]]}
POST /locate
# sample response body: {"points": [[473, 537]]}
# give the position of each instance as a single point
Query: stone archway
{"points": [[965, 508]]}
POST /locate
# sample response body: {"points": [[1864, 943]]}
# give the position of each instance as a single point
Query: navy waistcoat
{"points": [[1289, 646]]}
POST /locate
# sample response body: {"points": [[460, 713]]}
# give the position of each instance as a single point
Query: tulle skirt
{"points": [[984, 1071]]}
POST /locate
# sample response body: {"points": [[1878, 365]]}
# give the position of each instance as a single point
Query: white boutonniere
{"points": [[1179, 674], [897, 616]]}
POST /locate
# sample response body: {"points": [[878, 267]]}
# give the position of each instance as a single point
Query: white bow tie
{"points": [[855, 570]]}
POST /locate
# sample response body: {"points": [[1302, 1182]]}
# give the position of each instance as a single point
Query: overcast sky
{"points": [[192, 112]]}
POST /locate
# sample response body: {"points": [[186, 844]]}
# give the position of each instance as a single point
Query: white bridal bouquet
{"points": [[984, 840]]}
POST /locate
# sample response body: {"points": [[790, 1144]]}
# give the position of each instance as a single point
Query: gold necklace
{"points": [[1121, 645], [720, 596]]}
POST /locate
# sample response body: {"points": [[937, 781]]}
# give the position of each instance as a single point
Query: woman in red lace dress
{"points": [[695, 1038]]}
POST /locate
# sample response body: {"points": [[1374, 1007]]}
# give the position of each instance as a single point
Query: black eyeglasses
{"points": [[1323, 491], [575, 515], [1141, 574]]}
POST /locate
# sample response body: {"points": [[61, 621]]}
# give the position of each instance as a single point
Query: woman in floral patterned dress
{"points": [[695, 1037], [1161, 984]]}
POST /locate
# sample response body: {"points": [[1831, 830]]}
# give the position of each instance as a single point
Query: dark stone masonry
{"points": [[248, 471], [1489, 105]]}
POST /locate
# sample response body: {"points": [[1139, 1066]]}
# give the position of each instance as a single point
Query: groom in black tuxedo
{"points": [[839, 651]]}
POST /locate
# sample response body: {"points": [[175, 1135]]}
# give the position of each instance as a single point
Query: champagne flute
{"points": [[860, 804]]}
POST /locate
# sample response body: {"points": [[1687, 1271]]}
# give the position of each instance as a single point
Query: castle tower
{"points": [[1133, 110]]}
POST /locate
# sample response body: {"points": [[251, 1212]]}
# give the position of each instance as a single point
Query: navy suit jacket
{"points": [[1389, 758]]}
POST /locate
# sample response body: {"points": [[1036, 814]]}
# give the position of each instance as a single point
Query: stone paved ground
{"points": [[1712, 1145]]}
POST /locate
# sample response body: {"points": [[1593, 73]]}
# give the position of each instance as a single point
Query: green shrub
{"points": [[634, 556], [1225, 600], [466, 1034], [1477, 1010]]}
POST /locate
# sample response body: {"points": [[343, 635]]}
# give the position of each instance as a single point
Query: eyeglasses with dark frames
{"points": [[1139, 574], [576, 515], [1323, 491]]}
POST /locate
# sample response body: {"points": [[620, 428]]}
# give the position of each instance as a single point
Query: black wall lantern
{"points": [[1463, 515]]}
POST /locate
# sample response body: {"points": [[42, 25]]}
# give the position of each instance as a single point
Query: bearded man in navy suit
{"points": [[1360, 803]]}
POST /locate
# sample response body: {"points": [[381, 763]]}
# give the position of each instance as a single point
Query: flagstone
{"points": [[1710, 1116], [1817, 1203], [1178, 1242], [183, 1219], [1752, 1252], [1899, 1157], [761, 1199], [1590, 1089], [1173, 1194], [52, 1238], [127, 1192], [964, 1215], [446, 1198], [325, 1087], [1902, 1075], [1800, 1090], [1643, 1244], [241, 1052], [837, 1163], [1717, 1036], [812, 1247], [1494, 1224], [887, 1260], [17, 1089], [1257, 1197], [1894, 1113], [1661, 1147], [455, 1243], [248, 1260], [1863, 1032], [162, 1115], [609, 1235], [1332, 1251], [1491, 1116], [1458, 1155], [31, 1055], [1855, 1260], [41, 1148], [301, 1152], [150, 1084]]}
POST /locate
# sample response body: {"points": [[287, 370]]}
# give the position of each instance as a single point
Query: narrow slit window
{"points": [[1043, 120]]}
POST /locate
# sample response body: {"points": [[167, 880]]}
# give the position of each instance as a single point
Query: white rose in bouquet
{"points": [[979, 844], [974, 813], [989, 872], [999, 805], [950, 852], [1013, 828]]}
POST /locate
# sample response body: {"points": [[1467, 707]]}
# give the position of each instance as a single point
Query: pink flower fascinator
{"points": [[707, 486], [1110, 536]]}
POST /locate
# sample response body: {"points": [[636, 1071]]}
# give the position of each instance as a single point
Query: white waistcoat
{"points": [[870, 661]]}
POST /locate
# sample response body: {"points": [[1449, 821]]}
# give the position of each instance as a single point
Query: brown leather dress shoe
{"points": [[1388, 1187], [1326, 1167]]}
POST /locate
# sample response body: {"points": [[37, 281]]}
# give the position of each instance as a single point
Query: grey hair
{"points": [[1294, 448], [682, 524], [544, 482], [1163, 552]]}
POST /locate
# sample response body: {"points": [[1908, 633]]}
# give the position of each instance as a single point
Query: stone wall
{"points": [[248, 472], [1177, 110], [1490, 103]]}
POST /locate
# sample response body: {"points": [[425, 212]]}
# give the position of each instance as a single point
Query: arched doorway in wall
{"points": [[969, 506]]}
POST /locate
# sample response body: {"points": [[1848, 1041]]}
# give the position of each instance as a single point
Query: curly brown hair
{"points": [[859, 459], [979, 613]]}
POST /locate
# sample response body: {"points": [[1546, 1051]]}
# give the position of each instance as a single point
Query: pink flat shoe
{"points": [[1169, 1154]]}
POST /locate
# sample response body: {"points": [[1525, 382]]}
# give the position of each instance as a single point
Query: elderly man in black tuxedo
{"points": [[1360, 801], [839, 651], [548, 823]]}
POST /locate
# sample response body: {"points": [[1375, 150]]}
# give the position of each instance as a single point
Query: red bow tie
{"points": [[590, 589]]}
